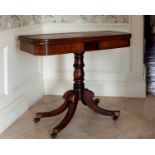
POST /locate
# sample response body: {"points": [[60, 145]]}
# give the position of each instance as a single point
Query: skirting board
{"points": [[17, 107], [129, 88]]}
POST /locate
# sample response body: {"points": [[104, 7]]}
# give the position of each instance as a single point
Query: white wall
{"points": [[117, 72], [136, 85], [20, 76]]}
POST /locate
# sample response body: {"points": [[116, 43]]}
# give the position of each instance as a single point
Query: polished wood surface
{"points": [[63, 43], [77, 43]]}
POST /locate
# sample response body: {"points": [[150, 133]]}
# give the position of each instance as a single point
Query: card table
{"points": [[77, 43]]}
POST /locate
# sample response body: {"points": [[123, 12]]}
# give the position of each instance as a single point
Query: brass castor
{"points": [[36, 120], [117, 114], [96, 101], [54, 133], [115, 118]]}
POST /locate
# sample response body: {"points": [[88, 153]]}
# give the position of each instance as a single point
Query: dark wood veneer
{"points": [[63, 43]]}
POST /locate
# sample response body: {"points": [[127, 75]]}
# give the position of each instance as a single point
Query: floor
{"points": [[137, 120]]}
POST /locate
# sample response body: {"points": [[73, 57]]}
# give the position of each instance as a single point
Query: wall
{"points": [[14, 21], [20, 76]]}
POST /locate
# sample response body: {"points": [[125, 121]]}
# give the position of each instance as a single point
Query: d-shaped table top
{"points": [[77, 42]]}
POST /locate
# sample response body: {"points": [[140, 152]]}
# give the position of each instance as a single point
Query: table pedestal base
{"points": [[72, 97]]}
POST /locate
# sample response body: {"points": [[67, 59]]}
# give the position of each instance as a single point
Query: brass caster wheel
{"points": [[115, 118], [96, 101], [36, 120], [54, 133], [117, 114]]}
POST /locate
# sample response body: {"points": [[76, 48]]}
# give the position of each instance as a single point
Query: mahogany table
{"points": [[77, 43]]}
